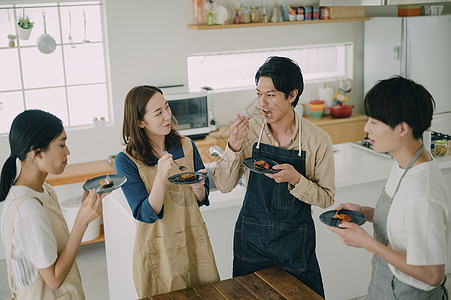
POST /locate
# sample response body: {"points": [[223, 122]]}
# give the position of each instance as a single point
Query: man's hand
{"points": [[287, 173], [238, 132]]}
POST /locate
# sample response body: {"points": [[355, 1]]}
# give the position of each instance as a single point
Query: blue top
{"points": [[135, 190]]}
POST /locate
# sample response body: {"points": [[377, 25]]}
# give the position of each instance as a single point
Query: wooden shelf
{"points": [[100, 238], [227, 26], [78, 172]]}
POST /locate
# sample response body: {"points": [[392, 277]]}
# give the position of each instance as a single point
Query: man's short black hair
{"points": [[396, 100], [285, 73]]}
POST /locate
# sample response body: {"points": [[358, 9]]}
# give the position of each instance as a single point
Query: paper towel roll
{"points": [[327, 95]]}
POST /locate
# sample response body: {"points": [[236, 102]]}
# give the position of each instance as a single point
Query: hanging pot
{"points": [[46, 43]]}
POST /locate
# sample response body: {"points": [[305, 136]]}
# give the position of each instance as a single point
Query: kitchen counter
{"points": [[360, 177]]}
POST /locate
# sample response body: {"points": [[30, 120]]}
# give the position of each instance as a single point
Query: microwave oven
{"points": [[190, 109]]}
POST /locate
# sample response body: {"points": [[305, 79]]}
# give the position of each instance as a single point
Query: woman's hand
{"points": [[352, 235], [367, 211], [350, 206], [91, 208], [238, 132], [164, 165], [199, 188]]}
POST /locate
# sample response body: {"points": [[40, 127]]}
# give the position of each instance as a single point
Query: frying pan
{"points": [[46, 43]]}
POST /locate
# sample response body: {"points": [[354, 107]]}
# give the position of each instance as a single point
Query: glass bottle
{"points": [[198, 17], [237, 16]]}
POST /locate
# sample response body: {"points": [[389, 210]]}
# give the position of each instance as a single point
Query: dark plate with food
{"points": [[187, 177], [334, 218], [260, 165], [105, 183]]}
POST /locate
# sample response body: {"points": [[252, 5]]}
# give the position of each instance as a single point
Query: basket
{"points": [[343, 12]]}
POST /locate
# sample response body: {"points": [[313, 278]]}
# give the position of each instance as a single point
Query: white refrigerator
{"points": [[418, 48]]}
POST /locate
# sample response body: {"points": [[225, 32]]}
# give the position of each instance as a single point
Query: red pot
{"points": [[341, 111]]}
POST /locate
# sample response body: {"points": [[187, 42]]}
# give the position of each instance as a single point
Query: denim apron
{"points": [[274, 228], [384, 285]]}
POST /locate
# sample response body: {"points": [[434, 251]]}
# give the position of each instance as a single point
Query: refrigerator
{"points": [[418, 48]]}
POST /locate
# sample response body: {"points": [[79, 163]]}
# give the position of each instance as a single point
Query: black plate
{"points": [[250, 163], [177, 178], [94, 183], [328, 217]]}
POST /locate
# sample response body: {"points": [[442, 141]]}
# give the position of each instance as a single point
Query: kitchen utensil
{"points": [[317, 114], [181, 168], [341, 111], [46, 43], [84, 27], [329, 219], [71, 40], [101, 186], [178, 179]]}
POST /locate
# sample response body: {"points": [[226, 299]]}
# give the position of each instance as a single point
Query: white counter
{"points": [[360, 177]]}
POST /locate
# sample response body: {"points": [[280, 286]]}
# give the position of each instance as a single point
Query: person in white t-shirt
{"points": [[411, 220], [40, 252]]}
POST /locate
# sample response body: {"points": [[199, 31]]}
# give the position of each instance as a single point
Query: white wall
{"points": [[149, 43]]}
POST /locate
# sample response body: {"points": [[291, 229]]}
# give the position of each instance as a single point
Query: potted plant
{"points": [[12, 40], [24, 27]]}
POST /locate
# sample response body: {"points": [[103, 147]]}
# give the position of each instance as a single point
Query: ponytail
{"points": [[32, 129], [8, 176]]}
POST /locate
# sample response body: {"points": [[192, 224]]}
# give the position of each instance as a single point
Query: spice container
{"points": [[255, 14], [440, 147], [245, 14]]}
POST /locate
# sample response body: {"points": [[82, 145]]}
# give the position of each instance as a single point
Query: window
{"points": [[231, 70], [72, 82]]}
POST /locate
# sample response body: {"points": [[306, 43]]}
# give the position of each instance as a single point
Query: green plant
{"points": [[11, 36], [25, 22]]}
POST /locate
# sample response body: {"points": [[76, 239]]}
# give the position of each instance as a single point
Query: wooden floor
{"points": [[92, 264]]}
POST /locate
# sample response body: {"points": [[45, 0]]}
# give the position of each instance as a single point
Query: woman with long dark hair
{"points": [[40, 252], [172, 248]]}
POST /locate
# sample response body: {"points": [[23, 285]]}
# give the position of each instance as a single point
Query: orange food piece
{"points": [[106, 184], [261, 164], [342, 217], [191, 176]]}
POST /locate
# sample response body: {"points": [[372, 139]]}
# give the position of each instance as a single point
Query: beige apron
{"points": [[174, 252], [71, 289]]}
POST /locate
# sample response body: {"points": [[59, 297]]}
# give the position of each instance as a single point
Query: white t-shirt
{"points": [[418, 222], [34, 246]]}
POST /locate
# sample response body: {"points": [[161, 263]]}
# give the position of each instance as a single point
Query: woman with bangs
{"points": [[172, 249], [411, 220]]}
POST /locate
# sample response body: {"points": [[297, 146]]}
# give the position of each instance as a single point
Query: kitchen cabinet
{"points": [[342, 130], [226, 26]]}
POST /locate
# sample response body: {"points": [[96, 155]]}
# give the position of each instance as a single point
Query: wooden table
{"points": [[272, 283]]}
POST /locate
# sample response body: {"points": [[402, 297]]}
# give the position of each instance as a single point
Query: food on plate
{"points": [[188, 177], [261, 164], [105, 183], [342, 217]]}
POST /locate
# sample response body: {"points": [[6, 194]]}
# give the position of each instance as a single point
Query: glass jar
{"points": [[245, 14], [440, 147], [255, 14]]}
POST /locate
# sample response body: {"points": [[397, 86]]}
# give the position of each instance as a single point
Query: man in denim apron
{"points": [[411, 220], [275, 226]]}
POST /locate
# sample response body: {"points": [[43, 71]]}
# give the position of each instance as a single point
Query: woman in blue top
{"points": [[172, 248]]}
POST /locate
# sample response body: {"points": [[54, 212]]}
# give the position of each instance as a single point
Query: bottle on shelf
{"points": [[237, 15], [198, 9]]}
